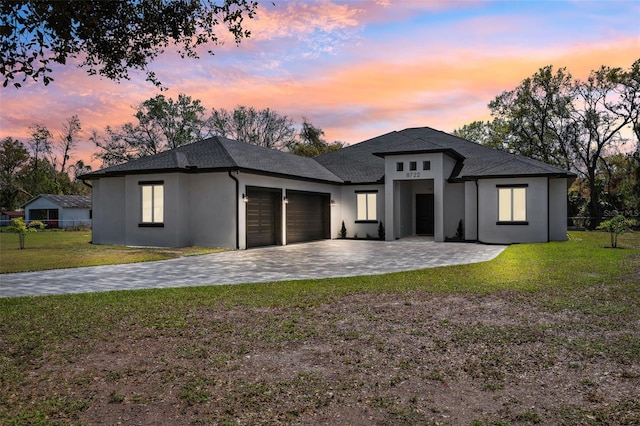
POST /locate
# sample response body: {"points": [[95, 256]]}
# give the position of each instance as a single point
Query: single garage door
{"points": [[263, 216], [308, 216]]}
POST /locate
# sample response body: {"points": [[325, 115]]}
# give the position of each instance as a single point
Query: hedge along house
{"points": [[219, 192], [59, 211]]}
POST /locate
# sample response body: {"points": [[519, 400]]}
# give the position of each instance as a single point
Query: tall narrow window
{"points": [[366, 206], [512, 204], [152, 202]]}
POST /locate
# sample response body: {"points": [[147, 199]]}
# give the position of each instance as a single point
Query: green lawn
{"points": [[564, 312], [70, 249]]}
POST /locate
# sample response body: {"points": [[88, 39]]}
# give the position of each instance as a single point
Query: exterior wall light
{"points": [[245, 198], [333, 203], [285, 200]]}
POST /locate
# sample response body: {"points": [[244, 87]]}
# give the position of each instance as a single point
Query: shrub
{"points": [[343, 231], [18, 226], [615, 226], [381, 234]]}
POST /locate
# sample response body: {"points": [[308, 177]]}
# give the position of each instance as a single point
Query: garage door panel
{"points": [[307, 216], [262, 217]]}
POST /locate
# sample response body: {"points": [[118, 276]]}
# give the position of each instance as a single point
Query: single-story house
{"points": [[7, 215], [419, 181], [59, 211]]}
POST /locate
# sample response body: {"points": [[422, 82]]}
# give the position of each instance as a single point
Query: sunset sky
{"points": [[356, 69]]}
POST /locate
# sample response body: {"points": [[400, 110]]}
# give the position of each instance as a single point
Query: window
{"points": [[152, 203], [426, 165], [399, 166], [413, 165], [512, 204], [366, 206]]}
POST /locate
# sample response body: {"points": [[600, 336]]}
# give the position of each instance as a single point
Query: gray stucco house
{"points": [[59, 211], [420, 181]]}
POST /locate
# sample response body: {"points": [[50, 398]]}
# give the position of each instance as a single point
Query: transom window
{"points": [[366, 206], [399, 166], [512, 204], [426, 165], [152, 194], [413, 165]]}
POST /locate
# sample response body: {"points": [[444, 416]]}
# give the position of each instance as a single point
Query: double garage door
{"points": [[307, 216]]}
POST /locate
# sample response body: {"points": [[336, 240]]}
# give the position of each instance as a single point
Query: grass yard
{"points": [[70, 249], [543, 334]]}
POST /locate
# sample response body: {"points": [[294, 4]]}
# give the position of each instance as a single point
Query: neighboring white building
{"points": [[219, 192], [59, 211]]}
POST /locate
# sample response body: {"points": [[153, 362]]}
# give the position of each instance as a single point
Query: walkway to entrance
{"points": [[320, 259]]}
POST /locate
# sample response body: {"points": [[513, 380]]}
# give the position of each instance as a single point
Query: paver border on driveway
{"points": [[319, 259]]}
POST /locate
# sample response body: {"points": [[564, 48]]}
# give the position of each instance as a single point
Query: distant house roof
{"points": [[358, 163], [65, 201]]}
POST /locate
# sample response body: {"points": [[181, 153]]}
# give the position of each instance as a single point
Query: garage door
{"points": [[308, 216], [263, 216]]}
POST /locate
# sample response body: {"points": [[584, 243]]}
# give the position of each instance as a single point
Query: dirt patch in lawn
{"points": [[410, 358]]}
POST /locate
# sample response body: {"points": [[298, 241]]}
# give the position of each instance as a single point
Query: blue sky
{"points": [[356, 69]]}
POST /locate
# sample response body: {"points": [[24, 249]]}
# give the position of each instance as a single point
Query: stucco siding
{"points": [[536, 211], [348, 211], [470, 211], [171, 233], [558, 209], [109, 211], [454, 210], [212, 210]]}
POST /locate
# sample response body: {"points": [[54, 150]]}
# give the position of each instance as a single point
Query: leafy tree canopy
{"points": [[110, 38], [311, 142]]}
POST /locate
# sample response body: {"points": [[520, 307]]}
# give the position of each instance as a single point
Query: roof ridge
{"points": [[218, 139]]}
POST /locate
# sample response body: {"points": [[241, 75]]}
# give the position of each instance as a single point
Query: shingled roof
{"points": [[358, 163], [65, 201], [218, 153], [364, 162]]}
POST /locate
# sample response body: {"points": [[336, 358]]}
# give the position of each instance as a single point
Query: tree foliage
{"points": [[13, 158], [573, 124], [109, 38], [615, 226], [311, 143], [265, 127], [37, 168], [18, 226], [162, 124]]}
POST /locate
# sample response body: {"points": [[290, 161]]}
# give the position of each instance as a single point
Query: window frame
{"points": [[155, 222], [513, 210], [399, 166], [413, 166], [371, 201], [426, 165]]}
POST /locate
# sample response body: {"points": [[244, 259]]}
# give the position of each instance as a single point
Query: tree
{"points": [[311, 143], [13, 158], [18, 226], [110, 38], [536, 116], [615, 226], [494, 134], [265, 127], [163, 124], [68, 140], [604, 105], [572, 124]]}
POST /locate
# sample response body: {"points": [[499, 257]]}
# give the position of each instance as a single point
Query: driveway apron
{"points": [[320, 259]]}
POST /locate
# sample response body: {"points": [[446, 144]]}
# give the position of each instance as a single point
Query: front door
{"points": [[424, 214]]}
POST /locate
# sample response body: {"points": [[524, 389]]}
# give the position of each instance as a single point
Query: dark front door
{"points": [[308, 216], [263, 216], [424, 214]]}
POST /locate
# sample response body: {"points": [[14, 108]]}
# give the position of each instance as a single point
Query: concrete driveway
{"points": [[321, 259]]}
